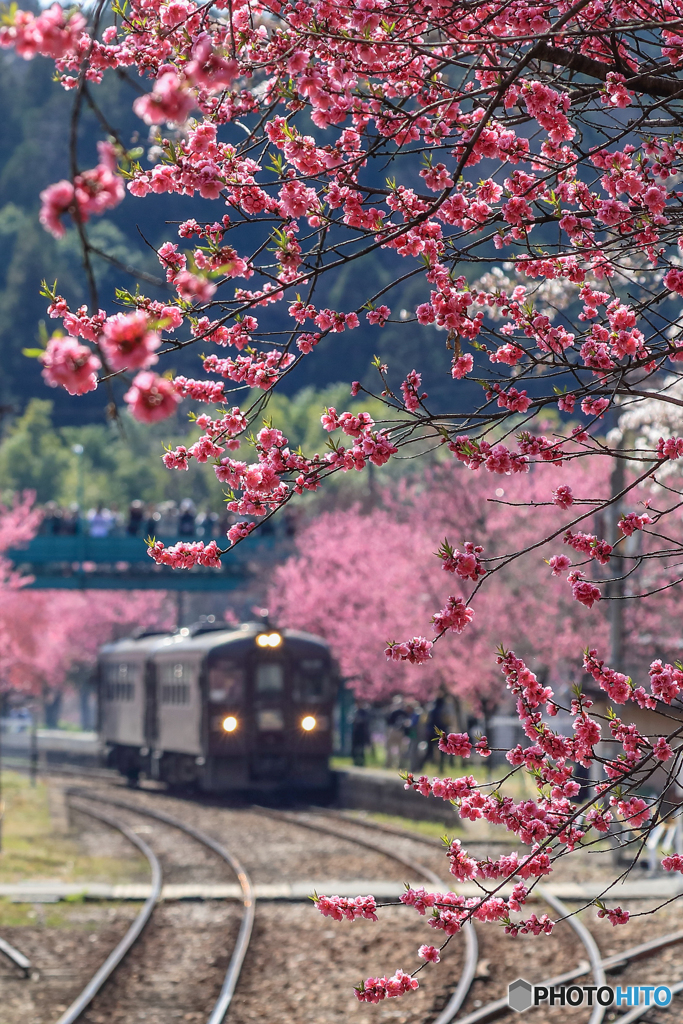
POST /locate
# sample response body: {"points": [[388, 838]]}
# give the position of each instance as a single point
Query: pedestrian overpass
{"points": [[78, 561]]}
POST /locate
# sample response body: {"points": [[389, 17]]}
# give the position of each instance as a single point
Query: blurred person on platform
{"points": [[413, 734], [136, 515], [153, 520], [397, 719], [206, 524], [361, 735], [71, 519], [168, 519], [439, 719], [117, 521], [52, 518], [186, 519]]}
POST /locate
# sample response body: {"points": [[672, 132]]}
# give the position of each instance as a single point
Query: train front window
{"points": [[270, 720], [270, 677], [226, 682], [310, 679]]}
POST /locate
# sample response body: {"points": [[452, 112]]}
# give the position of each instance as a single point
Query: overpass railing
{"points": [[77, 561]]}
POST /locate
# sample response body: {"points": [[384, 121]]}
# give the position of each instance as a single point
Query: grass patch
{"points": [[30, 848], [60, 915], [433, 829], [520, 786]]}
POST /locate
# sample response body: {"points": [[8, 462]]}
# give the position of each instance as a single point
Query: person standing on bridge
{"points": [[100, 521]]}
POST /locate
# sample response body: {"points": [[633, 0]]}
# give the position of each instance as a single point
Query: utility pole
{"points": [[34, 745], [2, 802], [77, 449], [616, 587]]}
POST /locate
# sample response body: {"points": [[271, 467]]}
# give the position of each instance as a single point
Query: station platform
{"points": [[382, 791], [55, 746]]}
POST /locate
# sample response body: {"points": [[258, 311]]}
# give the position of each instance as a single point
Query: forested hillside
{"points": [[33, 153]]}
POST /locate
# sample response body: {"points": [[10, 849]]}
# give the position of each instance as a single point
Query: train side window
{"points": [[310, 679], [175, 672], [175, 683], [119, 682], [226, 682], [175, 693], [270, 677]]}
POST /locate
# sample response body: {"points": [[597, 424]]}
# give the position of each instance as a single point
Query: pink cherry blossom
{"points": [[429, 953], [128, 343], [71, 365], [151, 398]]}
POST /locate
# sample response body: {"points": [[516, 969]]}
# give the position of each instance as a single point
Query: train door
{"points": [[179, 710], [269, 689], [151, 706]]}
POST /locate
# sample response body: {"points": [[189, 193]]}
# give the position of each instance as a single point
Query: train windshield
{"points": [[270, 677], [226, 682], [310, 680]]}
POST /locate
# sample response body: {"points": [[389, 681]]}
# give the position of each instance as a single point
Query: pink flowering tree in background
{"points": [[18, 525], [48, 637], [443, 138], [57, 634], [360, 578]]}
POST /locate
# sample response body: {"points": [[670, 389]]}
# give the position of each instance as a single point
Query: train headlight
{"points": [[308, 723], [230, 723], [269, 640]]}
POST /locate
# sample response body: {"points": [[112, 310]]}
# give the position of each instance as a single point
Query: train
{"points": [[219, 709]]}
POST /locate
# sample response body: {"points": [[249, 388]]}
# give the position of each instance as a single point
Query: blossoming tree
{"points": [[440, 136], [359, 577], [56, 634], [47, 634]]}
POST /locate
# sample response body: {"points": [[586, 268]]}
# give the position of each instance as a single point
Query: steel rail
{"points": [[589, 945], [471, 944], [596, 964], [499, 1007], [118, 953], [248, 899], [21, 961]]}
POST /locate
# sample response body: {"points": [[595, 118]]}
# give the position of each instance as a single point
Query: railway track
{"points": [[324, 822], [599, 966], [84, 998], [16, 956], [471, 945], [79, 799]]}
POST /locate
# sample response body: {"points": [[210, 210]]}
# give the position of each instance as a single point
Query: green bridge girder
{"points": [[81, 562]]}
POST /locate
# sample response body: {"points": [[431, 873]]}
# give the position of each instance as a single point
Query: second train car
{"points": [[220, 709]]}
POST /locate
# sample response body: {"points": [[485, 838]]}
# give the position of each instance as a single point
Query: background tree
{"points": [[49, 639]]}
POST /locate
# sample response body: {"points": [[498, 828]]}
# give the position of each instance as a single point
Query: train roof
{"points": [[205, 642], [134, 645]]}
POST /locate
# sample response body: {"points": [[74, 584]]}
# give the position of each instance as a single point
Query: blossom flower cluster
{"points": [[549, 825]]}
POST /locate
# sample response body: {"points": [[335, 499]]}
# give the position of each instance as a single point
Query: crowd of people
{"points": [[405, 731], [145, 519]]}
